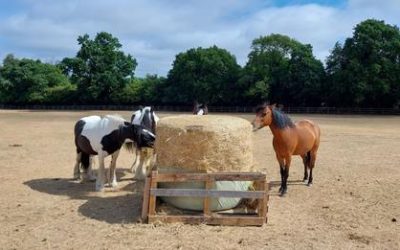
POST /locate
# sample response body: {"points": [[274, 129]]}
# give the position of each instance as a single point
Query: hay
{"points": [[205, 144]]}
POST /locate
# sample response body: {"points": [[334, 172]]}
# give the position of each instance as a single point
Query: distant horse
{"points": [[200, 109], [300, 138], [147, 118], [102, 137]]}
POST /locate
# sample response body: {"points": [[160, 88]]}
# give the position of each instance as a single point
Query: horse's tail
{"points": [[85, 159], [129, 146]]}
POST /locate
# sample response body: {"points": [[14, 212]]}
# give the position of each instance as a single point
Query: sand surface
{"points": [[354, 202]]}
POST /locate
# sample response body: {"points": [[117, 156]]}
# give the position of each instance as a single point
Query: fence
{"points": [[213, 109]]}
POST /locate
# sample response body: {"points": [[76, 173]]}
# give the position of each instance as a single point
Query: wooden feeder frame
{"points": [[151, 192]]}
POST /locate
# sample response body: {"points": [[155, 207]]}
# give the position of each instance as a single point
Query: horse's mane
{"points": [[141, 112], [281, 120], [148, 108]]}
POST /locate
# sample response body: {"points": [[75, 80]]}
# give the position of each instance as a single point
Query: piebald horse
{"points": [[300, 138], [200, 109], [147, 118], [103, 136]]}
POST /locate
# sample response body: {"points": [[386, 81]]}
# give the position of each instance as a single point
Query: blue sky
{"points": [[154, 31]]}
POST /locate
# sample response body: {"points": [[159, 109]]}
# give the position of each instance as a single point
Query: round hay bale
{"points": [[204, 144]]}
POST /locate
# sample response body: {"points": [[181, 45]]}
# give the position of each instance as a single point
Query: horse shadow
{"points": [[108, 206], [117, 209], [277, 184]]}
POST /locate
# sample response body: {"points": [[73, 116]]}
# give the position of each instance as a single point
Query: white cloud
{"points": [[155, 31]]}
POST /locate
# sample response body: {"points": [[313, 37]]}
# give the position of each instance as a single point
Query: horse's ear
{"points": [[127, 123]]}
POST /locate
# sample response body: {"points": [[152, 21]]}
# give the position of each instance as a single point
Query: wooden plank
{"points": [[207, 200], [183, 177], [262, 210], [205, 193], [222, 220], [235, 176], [152, 198], [145, 203], [266, 201]]}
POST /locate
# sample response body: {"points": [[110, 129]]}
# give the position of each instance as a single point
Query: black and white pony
{"points": [[147, 118], [200, 109], [103, 136]]}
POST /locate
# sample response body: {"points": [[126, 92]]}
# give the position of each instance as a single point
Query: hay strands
{"points": [[151, 192]]}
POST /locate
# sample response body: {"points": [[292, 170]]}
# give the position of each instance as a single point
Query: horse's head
{"points": [[263, 116], [147, 138], [140, 135]]}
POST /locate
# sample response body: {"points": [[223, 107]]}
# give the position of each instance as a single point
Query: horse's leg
{"points": [[149, 162], [100, 174], [91, 176], [77, 171], [286, 174], [313, 157], [140, 171], [306, 161], [113, 177], [88, 173], [136, 162], [282, 170]]}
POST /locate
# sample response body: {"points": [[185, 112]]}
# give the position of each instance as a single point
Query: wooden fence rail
{"points": [[213, 109]]}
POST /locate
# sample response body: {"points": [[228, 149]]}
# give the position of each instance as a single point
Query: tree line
{"points": [[364, 71]]}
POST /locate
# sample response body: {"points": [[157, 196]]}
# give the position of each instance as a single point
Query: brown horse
{"points": [[300, 138]]}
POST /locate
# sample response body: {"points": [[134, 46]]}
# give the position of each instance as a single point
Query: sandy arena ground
{"points": [[354, 203]]}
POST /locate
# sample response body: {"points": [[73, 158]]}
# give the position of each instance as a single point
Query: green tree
{"points": [[144, 91], [131, 93], [100, 69], [207, 75], [153, 89], [31, 81], [284, 71], [365, 72]]}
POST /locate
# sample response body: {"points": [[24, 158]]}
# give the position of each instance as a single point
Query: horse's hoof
{"points": [[309, 184], [99, 188], [305, 180], [114, 184], [282, 194]]}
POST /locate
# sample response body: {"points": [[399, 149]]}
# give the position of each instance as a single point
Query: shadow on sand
{"points": [[274, 185], [108, 206]]}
